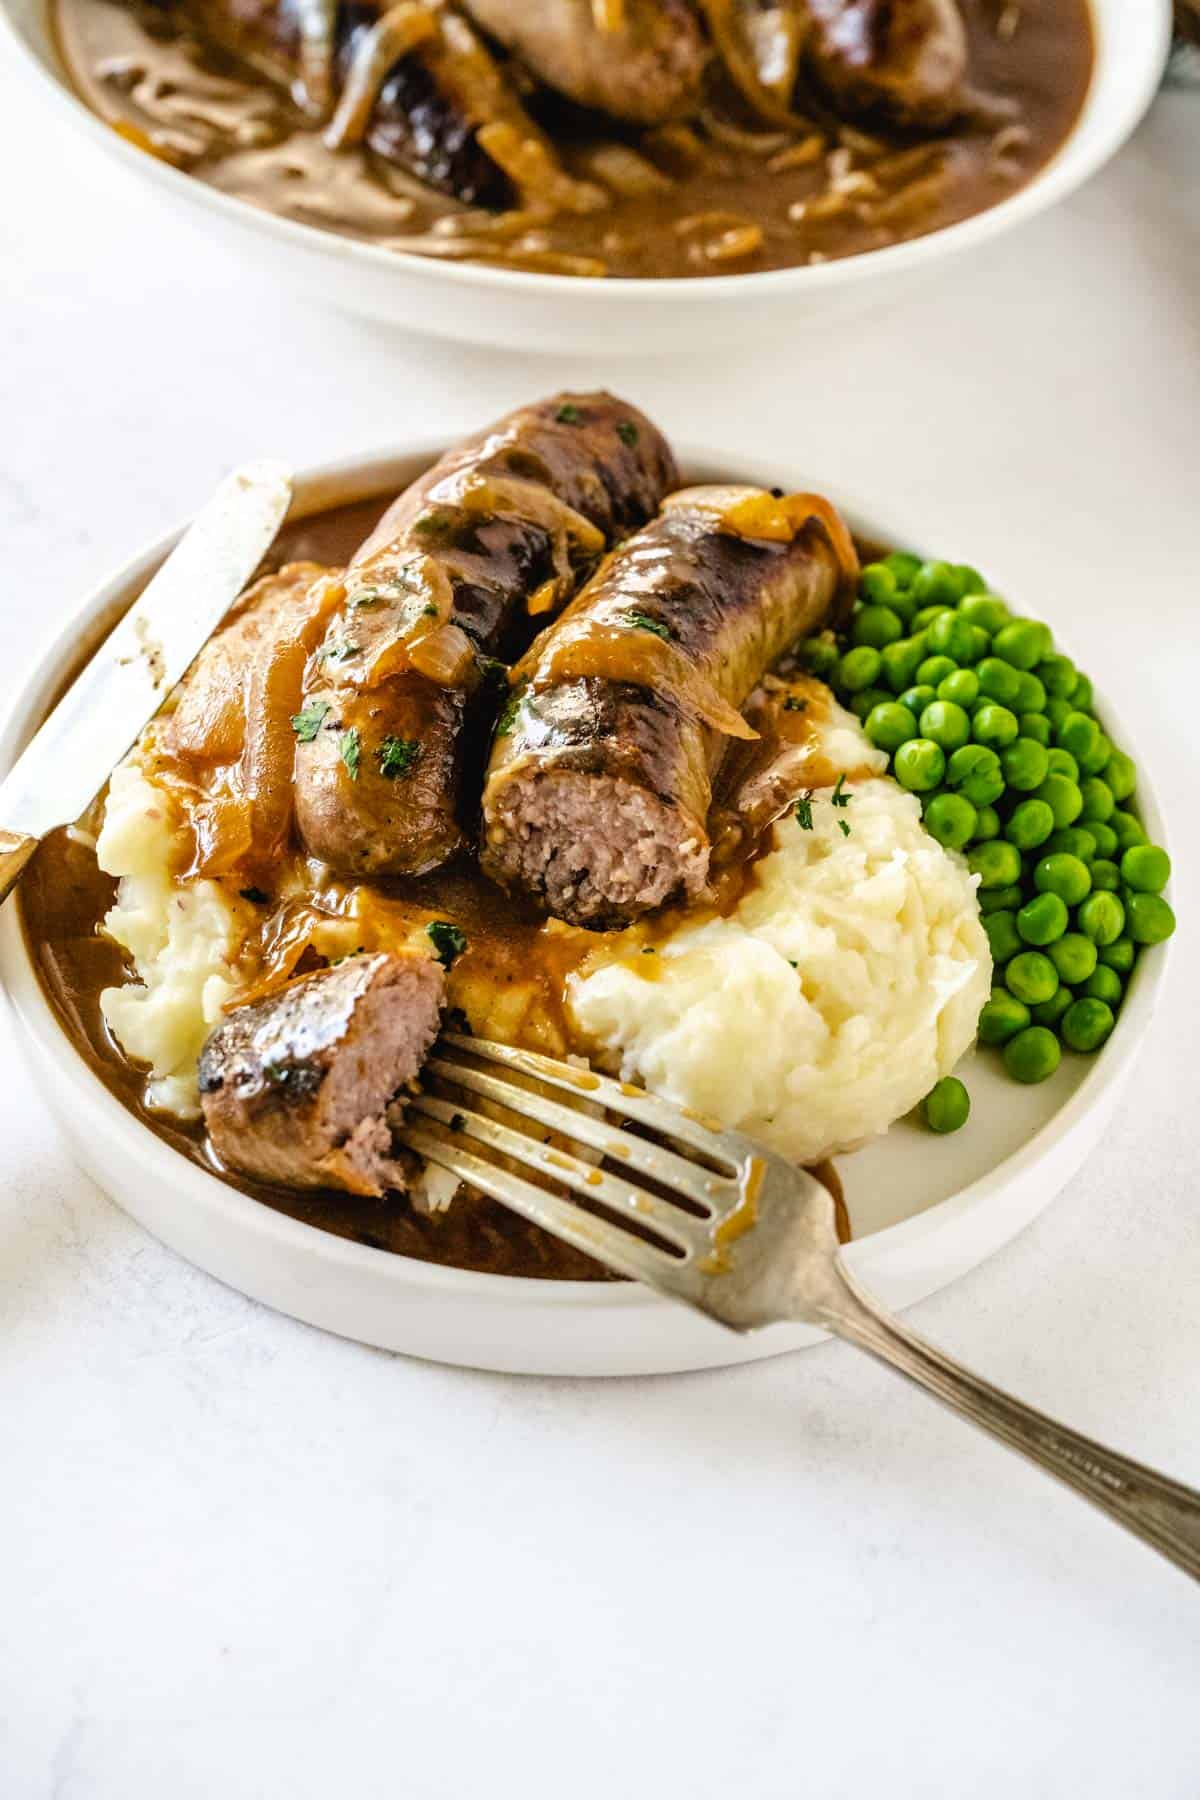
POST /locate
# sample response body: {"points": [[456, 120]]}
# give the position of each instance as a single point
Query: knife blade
{"points": [[72, 754]]}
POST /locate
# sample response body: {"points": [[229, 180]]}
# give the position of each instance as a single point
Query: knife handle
{"points": [[15, 852]]}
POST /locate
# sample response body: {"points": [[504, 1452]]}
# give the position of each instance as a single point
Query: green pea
{"points": [[1086, 1024], [1050, 1011], [951, 820], [918, 698], [1031, 977], [1057, 711], [1003, 938], [859, 669], [934, 669], [987, 611], [1023, 643], [1121, 776], [876, 626], [947, 724], [1001, 899], [952, 635], [1024, 766], [900, 662], [947, 1105], [923, 619], [1081, 696], [970, 581], [1146, 868], [1036, 726], [1079, 735], [1106, 877], [904, 605], [1098, 803], [1105, 836], [961, 688], [1002, 1017], [936, 583], [1151, 919], [1128, 829], [1042, 920], [975, 772], [1057, 675], [820, 656], [1096, 760], [1102, 918], [1074, 956], [889, 725], [1033, 1055], [877, 584], [1104, 984], [1120, 955], [1073, 840], [863, 705], [1065, 875], [1030, 825], [1062, 796], [997, 864], [995, 725], [987, 824], [1031, 695], [997, 680], [904, 566], [1061, 762], [919, 765]]}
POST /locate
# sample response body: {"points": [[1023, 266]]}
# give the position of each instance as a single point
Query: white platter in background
{"points": [[569, 315], [924, 1209]]}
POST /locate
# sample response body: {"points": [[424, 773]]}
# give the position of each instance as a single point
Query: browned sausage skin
{"points": [[600, 779], [496, 534], [904, 61]]}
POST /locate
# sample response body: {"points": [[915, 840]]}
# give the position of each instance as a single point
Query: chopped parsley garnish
{"points": [[793, 703], [493, 671], [432, 524], [350, 750], [345, 957], [509, 711], [447, 940], [429, 610], [844, 828], [309, 721], [804, 816], [838, 798], [396, 756], [369, 596], [641, 621], [341, 652], [627, 431], [255, 896], [568, 414]]}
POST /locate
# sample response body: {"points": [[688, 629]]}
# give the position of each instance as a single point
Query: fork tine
{"points": [[633, 1102], [639, 1206], [629, 1255], [709, 1191]]}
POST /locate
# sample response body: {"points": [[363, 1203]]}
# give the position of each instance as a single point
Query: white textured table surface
{"points": [[239, 1558]]}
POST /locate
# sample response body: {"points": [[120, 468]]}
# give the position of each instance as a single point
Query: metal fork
{"points": [[710, 1218]]}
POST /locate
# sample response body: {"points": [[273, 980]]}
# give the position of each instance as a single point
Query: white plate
{"points": [[925, 1209], [523, 311]]}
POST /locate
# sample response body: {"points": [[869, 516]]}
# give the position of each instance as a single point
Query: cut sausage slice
{"points": [[459, 571], [295, 1087], [901, 60], [600, 779]]}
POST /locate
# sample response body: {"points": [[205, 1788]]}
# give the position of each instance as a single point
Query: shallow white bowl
{"points": [[925, 1209], [539, 312]]}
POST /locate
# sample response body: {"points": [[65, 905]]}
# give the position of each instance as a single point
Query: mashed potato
{"points": [[847, 981], [181, 940]]}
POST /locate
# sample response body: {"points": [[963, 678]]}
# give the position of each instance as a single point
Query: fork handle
{"points": [[1162, 1512]]}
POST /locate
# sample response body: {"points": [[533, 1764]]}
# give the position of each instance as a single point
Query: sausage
{"points": [[295, 1087], [902, 60], [598, 789], [395, 706], [645, 67]]}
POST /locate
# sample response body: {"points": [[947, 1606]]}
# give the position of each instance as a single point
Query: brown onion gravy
{"points": [[512, 949], [736, 201]]}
